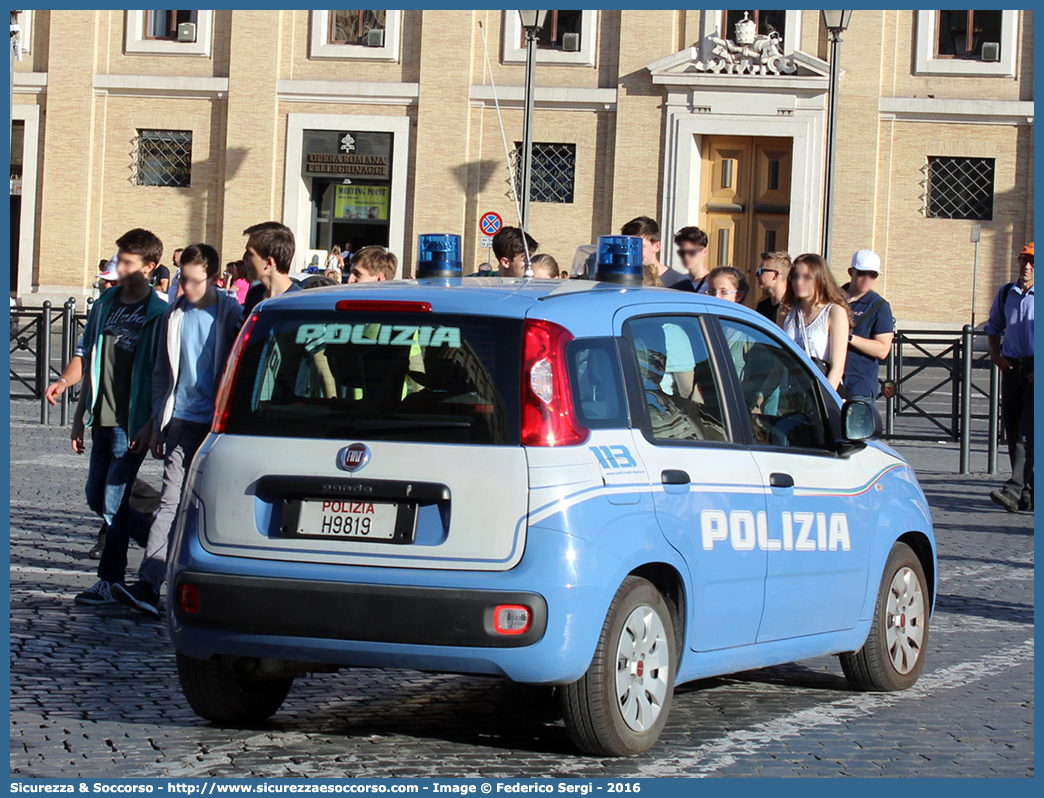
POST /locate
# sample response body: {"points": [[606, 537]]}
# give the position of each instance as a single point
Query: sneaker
{"points": [[101, 593], [142, 596], [1026, 502], [1005, 500]]}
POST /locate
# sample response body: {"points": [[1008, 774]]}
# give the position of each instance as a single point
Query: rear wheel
{"points": [[620, 706], [893, 655], [217, 694]]}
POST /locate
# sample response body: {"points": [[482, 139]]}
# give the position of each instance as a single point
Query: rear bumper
{"points": [[330, 614], [309, 608]]}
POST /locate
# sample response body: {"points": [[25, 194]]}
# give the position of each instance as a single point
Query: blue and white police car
{"points": [[588, 483]]}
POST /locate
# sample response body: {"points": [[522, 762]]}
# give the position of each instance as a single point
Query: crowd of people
{"points": [[151, 357], [846, 330], [155, 345]]}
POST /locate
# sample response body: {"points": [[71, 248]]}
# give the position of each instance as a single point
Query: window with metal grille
{"points": [[554, 172], [164, 24], [959, 188], [961, 34], [353, 27], [163, 158]]}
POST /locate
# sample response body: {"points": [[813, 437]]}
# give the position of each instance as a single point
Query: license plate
{"points": [[351, 520]]}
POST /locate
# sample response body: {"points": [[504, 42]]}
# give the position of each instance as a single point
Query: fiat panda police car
{"points": [[590, 484]]}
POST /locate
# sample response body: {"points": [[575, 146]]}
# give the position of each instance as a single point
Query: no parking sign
{"points": [[491, 223]]}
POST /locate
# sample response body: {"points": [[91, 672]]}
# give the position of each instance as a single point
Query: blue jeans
{"points": [[113, 468]]}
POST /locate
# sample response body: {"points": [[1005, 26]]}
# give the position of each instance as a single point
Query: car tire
{"points": [[620, 706], [217, 694], [893, 655]]}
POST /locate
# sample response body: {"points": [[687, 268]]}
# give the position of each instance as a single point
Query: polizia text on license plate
{"points": [[348, 519]]}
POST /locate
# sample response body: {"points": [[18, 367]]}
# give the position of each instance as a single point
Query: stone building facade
{"points": [[374, 127]]}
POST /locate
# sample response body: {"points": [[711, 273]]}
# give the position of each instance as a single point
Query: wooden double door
{"points": [[745, 200]]}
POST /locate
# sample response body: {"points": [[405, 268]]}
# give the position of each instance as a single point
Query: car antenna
{"points": [[528, 273]]}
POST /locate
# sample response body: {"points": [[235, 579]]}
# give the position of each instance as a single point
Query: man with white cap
{"points": [[873, 327]]}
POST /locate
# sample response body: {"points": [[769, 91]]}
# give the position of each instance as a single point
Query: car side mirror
{"points": [[860, 420]]}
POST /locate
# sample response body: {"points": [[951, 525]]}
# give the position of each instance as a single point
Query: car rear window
{"points": [[421, 377]]}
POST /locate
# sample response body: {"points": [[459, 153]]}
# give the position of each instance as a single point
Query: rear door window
{"points": [[598, 394], [683, 399], [421, 377]]}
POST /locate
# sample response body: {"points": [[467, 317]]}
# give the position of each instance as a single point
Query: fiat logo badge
{"points": [[354, 457]]}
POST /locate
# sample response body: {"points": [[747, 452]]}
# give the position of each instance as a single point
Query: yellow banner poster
{"points": [[362, 202]]}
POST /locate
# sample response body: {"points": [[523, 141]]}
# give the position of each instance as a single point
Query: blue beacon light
{"points": [[619, 260], [439, 256]]}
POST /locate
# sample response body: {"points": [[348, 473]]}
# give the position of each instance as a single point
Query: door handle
{"points": [[673, 477], [781, 480]]}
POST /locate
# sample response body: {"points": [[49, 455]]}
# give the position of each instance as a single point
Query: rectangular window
{"points": [[962, 34], [17, 150], [960, 188], [353, 27], [681, 392], [768, 22], [352, 375], [553, 174], [780, 393], [598, 393], [554, 25], [563, 37], [163, 158], [164, 24]]}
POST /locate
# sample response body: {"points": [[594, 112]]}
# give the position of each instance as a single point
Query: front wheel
{"points": [[619, 707], [217, 694], [893, 655]]}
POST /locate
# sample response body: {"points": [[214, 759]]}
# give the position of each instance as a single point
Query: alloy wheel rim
{"points": [[905, 620], [642, 668]]}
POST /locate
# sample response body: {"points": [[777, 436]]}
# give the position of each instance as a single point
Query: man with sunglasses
{"points": [[773, 272], [873, 327], [1011, 318]]}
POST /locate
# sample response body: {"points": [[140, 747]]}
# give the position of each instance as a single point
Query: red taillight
{"points": [[228, 379], [383, 306], [547, 402], [188, 599], [512, 619]]}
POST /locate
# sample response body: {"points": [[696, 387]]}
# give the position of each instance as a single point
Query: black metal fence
{"points": [[933, 378], [43, 341], [934, 381]]}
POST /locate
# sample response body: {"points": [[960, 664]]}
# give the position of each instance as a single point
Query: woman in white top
{"points": [[335, 261], [816, 316]]}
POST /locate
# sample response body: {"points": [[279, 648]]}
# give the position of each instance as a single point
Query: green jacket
{"points": [[140, 410]]}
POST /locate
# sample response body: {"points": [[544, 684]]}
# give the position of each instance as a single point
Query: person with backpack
{"points": [[873, 327], [1011, 319]]}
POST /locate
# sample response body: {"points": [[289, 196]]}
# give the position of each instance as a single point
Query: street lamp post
{"points": [[836, 22], [530, 23]]}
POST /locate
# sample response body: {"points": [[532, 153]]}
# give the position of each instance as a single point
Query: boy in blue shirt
{"points": [[196, 336], [873, 327]]}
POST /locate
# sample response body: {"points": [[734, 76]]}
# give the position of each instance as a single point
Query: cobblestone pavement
{"points": [[94, 692]]}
